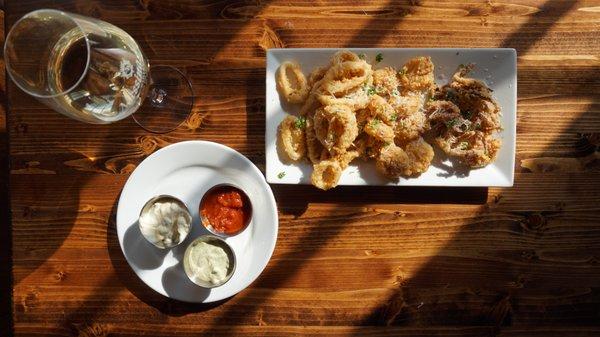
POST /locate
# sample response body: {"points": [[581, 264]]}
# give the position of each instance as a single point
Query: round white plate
{"points": [[187, 170]]}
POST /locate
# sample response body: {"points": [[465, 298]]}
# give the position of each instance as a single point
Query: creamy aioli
{"points": [[208, 263], [165, 223]]}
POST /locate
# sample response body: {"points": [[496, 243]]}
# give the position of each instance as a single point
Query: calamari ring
{"points": [[326, 174], [473, 148], [343, 77], [292, 138], [417, 74], [343, 56], [356, 99], [291, 83], [335, 127]]}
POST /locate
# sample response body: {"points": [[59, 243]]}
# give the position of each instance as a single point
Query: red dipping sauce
{"points": [[225, 209]]}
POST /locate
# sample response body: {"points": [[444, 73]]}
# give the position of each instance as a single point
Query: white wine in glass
{"points": [[94, 72]]}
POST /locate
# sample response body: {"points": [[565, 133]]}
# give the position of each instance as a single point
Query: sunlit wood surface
{"points": [[363, 262]]}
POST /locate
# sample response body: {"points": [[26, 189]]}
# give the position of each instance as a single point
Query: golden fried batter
{"points": [[411, 127], [420, 155], [335, 127], [349, 110], [345, 77], [292, 137], [465, 119], [326, 174], [385, 80], [379, 130], [291, 83], [411, 122], [313, 145], [473, 148], [414, 159], [343, 56], [381, 109], [316, 75], [417, 75], [392, 161]]}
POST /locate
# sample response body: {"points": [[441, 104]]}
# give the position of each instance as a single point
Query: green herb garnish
{"points": [[464, 145], [371, 91], [451, 122], [375, 122], [379, 57], [395, 92], [394, 117], [281, 175], [362, 56], [300, 122]]}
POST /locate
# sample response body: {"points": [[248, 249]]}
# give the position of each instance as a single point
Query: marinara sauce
{"points": [[226, 209]]}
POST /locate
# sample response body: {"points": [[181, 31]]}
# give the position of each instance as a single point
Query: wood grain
{"points": [[520, 261]]}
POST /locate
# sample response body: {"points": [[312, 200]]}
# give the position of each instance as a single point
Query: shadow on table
{"points": [[294, 199]]}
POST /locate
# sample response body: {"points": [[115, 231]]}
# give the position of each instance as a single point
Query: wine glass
{"points": [[93, 71]]}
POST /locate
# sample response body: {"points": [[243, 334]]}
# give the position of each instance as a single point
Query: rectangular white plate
{"points": [[496, 67]]}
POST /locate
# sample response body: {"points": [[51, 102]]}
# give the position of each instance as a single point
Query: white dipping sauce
{"points": [[208, 263], [165, 223]]}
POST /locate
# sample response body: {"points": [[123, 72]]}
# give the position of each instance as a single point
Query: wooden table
{"points": [[354, 261]]}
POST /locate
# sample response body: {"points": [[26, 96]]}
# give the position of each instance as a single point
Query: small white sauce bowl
{"points": [[169, 198], [221, 243]]}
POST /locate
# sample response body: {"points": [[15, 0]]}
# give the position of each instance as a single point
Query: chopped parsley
{"points": [[451, 122], [375, 122], [300, 122], [379, 57], [394, 117], [280, 175], [362, 56], [464, 145], [371, 91], [395, 92]]}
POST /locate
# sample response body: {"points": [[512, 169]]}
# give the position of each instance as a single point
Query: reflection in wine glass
{"points": [[94, 72]]}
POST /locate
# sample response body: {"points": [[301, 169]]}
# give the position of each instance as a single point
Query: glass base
{"points": [[169, 102]]}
